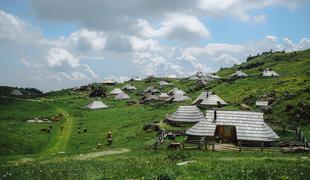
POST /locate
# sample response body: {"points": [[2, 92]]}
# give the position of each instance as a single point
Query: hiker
{"points": [[109, 138]]}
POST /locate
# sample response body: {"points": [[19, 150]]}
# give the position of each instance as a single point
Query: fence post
{"points": [[262, 146], [239, 144], [213, 148]]}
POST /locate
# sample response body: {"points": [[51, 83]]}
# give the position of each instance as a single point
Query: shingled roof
{"points": [[208, 99], [250, 126], [269, 73], [239, 74], [116, 91], [121, 96], [96, 105], [189, 114]]}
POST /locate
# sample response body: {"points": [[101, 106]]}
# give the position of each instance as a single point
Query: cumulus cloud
{"points": [[241, 8], [86, 40], [176, 26], [14, 28], [59, 57]]}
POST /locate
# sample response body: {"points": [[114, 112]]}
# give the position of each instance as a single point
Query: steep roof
{"points": [[163, 83], [150, 97], [96, 105], [239, 74], [176, 91], [163, 95], [186, 114], [178, 98], [151, 89], [129, 87], [269, 73], [250, 126], [116, 91], [16, 92], [121, 96], [213, 100], [201, 97]]}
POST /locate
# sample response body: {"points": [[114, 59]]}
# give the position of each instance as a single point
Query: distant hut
{"points": [[178, 98], [201, 97], [232, 126], [150, 97], [176, 91], [239, 74], [164, 83], [151, 89], [269, 73], [121, 96], [137, 78], [185, 114], [150, 78], [108, 82], [129, 87], [98, 92], [262, 104], [163, 96], [116, 91], [16, 92], [207, 99], [96, 105]]}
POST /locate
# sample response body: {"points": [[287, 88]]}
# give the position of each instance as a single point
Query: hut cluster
{"points": [[221, 125]]}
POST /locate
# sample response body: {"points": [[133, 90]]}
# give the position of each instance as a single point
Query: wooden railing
{"points": [[302, 137]]}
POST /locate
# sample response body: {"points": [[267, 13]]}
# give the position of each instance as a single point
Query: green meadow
{"points": [[28, 153]]}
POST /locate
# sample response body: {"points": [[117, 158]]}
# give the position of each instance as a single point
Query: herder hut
{"points": [[269, 73], [108, 82], [185, 114], [116, 91], [150, 97], [164, 83], [207, 99], [151, 89], [137, 78], [129, 87], [96, 105], [239, 74], [262, 104], [176, 91], [232, 126], [121, 96], [178, 97], [163, 96], [16, 92]]}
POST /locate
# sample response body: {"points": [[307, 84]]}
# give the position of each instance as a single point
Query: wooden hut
{"points": [[269, 73], [185, 114], [233, 126]]}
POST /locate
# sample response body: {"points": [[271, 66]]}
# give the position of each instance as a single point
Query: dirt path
{"points": [[60, 140], [99, 154]]}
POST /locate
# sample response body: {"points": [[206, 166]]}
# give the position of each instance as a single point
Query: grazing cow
{"points": [[85, 130], [50, 127], [43, 130], [174, 146]]}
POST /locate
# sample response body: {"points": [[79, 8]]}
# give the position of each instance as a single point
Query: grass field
{"points": [[26, 153]]}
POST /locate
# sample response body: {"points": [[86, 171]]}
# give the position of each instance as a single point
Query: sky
{"points": [[51, 45]]}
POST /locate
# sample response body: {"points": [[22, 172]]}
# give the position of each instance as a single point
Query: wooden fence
{"points": [[302, 137]]}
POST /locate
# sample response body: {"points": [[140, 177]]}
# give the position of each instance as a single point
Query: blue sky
{"points": [[68, 43]]}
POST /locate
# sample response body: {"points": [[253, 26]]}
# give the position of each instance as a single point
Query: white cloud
{"points": [[14, 28], [176, 26], [60, 57], [240, 8], [86, 40]]}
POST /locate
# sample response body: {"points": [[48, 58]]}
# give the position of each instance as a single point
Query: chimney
{"points": [[215, 116]]}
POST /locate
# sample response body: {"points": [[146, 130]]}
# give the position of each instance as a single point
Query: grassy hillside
{"points": [[56, 153]]}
